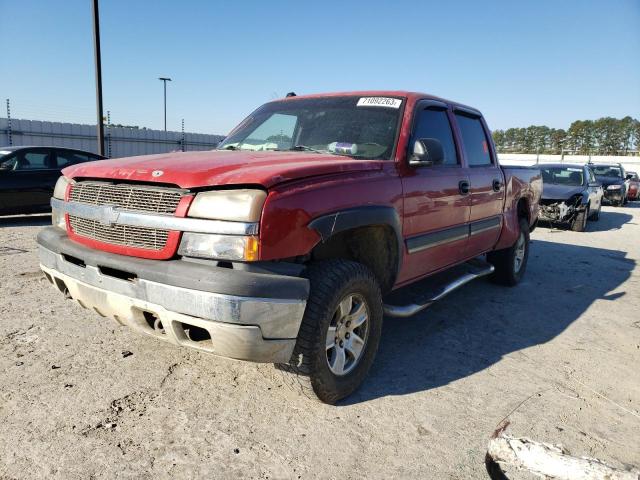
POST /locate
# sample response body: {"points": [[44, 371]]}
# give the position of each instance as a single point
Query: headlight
{"points": [[614, 187], [61, 187], [234, 205], [220, 247]]}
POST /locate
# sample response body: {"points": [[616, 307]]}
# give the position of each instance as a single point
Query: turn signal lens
{"points": [[220, 247]]}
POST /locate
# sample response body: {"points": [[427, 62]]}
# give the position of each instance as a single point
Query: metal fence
{"points": [[119, 142]]}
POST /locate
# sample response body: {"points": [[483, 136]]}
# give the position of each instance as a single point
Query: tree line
{"points": [[604, 136]]}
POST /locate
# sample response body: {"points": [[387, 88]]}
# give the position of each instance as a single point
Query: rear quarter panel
{"points": [[522, 183]]}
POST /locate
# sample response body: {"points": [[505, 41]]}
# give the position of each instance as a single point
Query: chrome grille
{"points": [[127, 235], [138, 198], [131, 197]]}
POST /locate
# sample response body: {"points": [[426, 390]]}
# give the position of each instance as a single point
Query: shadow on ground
{"points": [[25, 221], [476, 326]]}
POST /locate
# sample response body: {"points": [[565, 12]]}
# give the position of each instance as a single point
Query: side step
{"points": [[440, 285]]}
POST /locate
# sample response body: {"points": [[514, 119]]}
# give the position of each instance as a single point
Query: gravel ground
{"points": [[559, 355]]}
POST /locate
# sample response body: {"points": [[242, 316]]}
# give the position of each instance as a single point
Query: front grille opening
{"points": [[195, 334], [154, 322], [48, 277], [114, 272], [74, 260]]}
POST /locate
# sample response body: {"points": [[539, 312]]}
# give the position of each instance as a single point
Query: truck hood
{"points": [[221, 167], [552, 191]]}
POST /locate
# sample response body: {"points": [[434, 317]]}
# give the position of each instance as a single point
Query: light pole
{"points": [[165, 80], [96, 51]]}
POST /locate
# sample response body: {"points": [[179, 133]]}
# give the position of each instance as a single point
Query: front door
{"points": [[28, 184], [436, 204]]}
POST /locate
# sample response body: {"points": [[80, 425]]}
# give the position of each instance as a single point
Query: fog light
{"points": [[219, 247]]}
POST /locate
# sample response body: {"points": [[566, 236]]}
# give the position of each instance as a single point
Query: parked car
{"points": [[28, 175], [614, 180], [634, 186], [280, 245], [571, 195]]}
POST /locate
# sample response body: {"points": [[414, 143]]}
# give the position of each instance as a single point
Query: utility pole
{"points": [[9, 123], [182, 142], [98, 62], [165, 80]]}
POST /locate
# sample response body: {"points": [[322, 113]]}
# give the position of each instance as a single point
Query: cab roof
{"points": [[381, 93]]}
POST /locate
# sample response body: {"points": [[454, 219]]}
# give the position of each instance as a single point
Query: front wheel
{"points": [[596, 215], [340, 330], [580, 221], [511, 263]]}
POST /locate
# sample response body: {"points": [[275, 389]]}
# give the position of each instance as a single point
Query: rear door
{"points": [[436, 207], [31, 182], [486, 181]]}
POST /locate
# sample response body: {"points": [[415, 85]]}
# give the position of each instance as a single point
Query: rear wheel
{"points": [[340, 330], [511, 263], [580, 221]]}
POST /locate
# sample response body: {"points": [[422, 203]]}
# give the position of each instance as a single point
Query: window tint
{"points": [[67, 158], [8, 162], [474, 140], [33, 161], [435, 124]]}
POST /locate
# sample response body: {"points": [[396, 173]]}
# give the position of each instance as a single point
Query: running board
{"points": [[457, 277]]}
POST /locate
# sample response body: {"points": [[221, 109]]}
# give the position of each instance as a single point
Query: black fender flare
{"points": [[366, 216]]}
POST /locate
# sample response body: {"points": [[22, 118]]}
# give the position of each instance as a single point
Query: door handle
{"points": [[463, 187], [497, 184]]}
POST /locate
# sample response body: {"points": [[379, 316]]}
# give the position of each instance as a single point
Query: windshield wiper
{"points": [[305, 148], [229, 147]]}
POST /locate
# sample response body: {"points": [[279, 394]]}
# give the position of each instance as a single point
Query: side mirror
{"points": [[427, 152]]}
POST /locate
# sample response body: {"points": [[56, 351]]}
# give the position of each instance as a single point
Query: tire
{"points": [[315, 358], [596, 215], [511, 263], [580, 222]]}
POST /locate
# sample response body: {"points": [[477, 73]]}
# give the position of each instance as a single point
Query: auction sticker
{"points": [[379, 102]]}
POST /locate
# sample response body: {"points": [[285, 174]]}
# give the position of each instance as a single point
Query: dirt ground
{"points": [[559, 355]]}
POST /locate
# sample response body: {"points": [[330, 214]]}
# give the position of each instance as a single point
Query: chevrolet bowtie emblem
{"points": [[108, 215]]}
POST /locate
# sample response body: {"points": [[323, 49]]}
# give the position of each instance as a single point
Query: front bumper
{"points": [[613, 195], [231, 313]]}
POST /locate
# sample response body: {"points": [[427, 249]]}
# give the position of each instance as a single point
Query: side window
{"points": [[432, 123], [474, 140], [33, 161], [9, 162], [592, 177], [67, 158]]}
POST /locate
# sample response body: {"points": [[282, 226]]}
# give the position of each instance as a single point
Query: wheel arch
{"points": [[371, 235]]}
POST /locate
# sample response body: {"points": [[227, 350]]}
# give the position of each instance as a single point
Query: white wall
{"points": [[122, 142], [630, 163]]}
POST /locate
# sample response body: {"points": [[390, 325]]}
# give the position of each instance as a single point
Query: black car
{"points": [[28, 175], [571, 194], [615, 182]]}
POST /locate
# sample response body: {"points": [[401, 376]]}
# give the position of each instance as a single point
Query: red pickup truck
{"points": [[287, 243]]}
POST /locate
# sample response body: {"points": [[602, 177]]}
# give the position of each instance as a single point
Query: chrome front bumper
{"points": [[258, 329]]}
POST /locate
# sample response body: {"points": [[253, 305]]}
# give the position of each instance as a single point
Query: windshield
{"points": [[563, 176], [359, 127], [607, 171]]}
